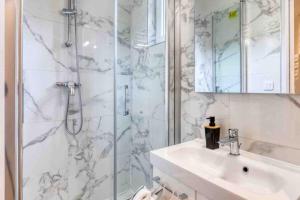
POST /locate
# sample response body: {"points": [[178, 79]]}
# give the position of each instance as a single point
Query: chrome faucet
{"points": [[232, 141]]}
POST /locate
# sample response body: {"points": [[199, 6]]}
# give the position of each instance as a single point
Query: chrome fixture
{"points": [[71, 14], [232, 141], [126, 111], [70, 85]]}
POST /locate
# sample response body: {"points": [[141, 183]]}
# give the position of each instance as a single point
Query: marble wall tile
{"points": [[124, 136], [57, 165], [271, 119], [77, 166], [39, 88], [48, 50], [279, 152], [123, 179]]}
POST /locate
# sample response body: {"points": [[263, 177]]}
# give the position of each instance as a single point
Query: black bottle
{"points": [[212, 134]]}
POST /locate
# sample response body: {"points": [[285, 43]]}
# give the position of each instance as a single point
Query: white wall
{"points": [[1, 99]]}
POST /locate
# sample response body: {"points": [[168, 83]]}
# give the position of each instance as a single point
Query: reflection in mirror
{"points": [[242, 46], [152, 31], [217, 46]]}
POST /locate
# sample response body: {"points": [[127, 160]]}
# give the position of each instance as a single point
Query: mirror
{"points": [[150, 30], [243, 46]]}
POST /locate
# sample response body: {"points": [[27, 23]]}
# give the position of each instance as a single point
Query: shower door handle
{"points": [[126, 111]]}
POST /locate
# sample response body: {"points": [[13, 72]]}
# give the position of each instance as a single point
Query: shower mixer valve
{"points": [[67, 11], [70, 85]]}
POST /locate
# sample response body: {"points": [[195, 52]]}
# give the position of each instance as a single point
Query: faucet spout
{"points": [[232, 141]]}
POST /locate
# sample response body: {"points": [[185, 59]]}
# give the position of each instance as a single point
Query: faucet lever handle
{"points": [[233, 133]]}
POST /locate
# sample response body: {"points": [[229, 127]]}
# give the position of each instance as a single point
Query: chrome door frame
{"points": [[173, 72]]}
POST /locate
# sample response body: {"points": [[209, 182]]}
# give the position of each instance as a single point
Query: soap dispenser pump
{"points": [[212, 134]]}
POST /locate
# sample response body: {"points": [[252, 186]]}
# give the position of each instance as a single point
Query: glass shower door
{"points": [[226, 49], [56, 163], [140, 97]]}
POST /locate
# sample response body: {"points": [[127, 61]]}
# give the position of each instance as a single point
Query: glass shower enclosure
{"points": [[141, 86], [95, 104]]}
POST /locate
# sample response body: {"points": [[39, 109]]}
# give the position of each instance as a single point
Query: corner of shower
{"points": [[121, 94], [142, 92]]}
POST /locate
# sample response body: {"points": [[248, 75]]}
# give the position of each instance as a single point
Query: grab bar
{"points": [[126, 111]]}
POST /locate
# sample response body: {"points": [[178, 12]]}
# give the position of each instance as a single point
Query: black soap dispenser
{"points": [[212, 134]]}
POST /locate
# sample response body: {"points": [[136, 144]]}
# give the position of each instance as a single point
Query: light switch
{"points": [[268, 85]]}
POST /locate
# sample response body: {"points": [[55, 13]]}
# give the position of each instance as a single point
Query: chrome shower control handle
{"points": [[70, 85], [61, 84]]}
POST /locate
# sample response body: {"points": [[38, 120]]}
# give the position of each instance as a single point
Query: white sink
{"points": [[218, 175]]}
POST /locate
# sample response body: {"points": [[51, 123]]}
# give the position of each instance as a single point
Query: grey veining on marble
{"points": [[57, 165]]}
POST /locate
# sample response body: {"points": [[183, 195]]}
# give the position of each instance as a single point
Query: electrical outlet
{"points": [[268, 85]]}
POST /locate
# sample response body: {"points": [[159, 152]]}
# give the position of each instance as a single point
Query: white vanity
{"points": [[215, 175]]}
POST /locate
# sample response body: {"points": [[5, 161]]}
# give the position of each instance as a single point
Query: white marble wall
{"points": [[268, 124], [55, 164]]}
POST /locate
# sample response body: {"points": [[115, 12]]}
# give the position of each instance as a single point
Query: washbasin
{"points": [[251, 176], [238, 170], [248, 176]]}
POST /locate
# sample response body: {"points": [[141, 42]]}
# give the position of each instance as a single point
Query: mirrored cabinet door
{"points": [[217, 46], [244, 46]]}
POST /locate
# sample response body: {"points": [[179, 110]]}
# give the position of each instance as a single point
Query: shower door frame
{"points": [[172, 72], [172, 102]]}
